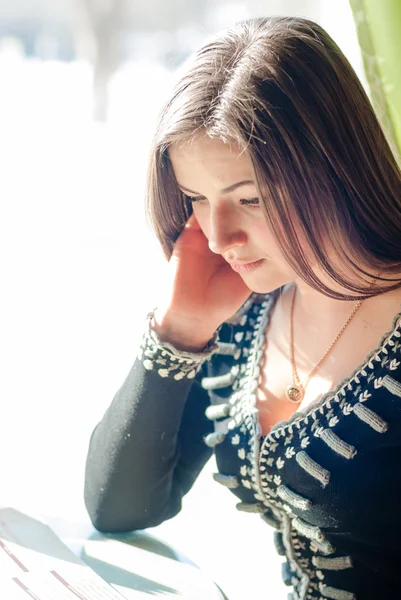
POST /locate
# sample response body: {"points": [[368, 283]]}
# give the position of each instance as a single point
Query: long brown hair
{"points": [[282, 89]]}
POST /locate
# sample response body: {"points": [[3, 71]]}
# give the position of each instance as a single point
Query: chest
{"points": [[348, 354]]}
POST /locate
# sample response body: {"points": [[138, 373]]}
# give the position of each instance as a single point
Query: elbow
{"points": [[103, 520], [108, 519], [123, 519], [114, 522], [106, 524]]}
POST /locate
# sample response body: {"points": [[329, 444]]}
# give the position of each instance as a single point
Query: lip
{"points": [[241, 267]]}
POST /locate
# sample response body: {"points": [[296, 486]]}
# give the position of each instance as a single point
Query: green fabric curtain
{"points": [[378, 24]]}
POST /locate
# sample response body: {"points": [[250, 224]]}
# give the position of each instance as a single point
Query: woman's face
{"points": [[219, 180]]}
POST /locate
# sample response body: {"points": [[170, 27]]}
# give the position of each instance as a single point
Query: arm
{"points": [[148, 449]]}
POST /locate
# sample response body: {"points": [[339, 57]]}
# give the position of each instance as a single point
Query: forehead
{"points": [[203, 154]]}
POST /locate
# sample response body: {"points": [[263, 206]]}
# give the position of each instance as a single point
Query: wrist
{"points": [[183, 335]]}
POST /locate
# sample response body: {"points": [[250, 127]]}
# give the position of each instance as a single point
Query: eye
{"points": [[250, 202], [253, 202], [194, 199]]}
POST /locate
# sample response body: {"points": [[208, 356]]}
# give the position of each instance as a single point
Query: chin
{"points": [[262, 289], [266, 285]]}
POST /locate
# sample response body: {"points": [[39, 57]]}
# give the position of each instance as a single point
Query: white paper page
{"points": [[157, 576], [34, 563], [28, 544], [76, 583]]}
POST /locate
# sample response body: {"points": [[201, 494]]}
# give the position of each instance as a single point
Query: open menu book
{"points": [[35, 564]]}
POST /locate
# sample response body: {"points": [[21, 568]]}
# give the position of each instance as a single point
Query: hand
{"points": [[204, 291]]}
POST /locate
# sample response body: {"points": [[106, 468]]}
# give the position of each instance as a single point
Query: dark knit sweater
{"points": [[328, 479]]}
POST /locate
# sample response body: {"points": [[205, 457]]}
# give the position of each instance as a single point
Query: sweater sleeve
{"points": [[148, 449]]}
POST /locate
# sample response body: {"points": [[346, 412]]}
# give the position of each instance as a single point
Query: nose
{"points": [[225, 231]]}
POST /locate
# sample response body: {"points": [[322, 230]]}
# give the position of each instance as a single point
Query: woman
{"points": [[275, 195]]}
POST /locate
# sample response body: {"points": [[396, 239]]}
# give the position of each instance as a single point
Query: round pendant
{"points": [[294, 393]]}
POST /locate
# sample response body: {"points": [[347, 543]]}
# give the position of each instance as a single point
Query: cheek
{"points": [[262, 235], [203, 219]]}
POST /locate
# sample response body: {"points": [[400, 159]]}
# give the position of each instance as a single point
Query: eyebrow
{"points": [[226, 190]]}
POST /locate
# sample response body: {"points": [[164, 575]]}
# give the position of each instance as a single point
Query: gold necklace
{"points": [[296, 391]]}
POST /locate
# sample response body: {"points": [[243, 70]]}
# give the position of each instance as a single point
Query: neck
{"points": [[314, 307]]}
